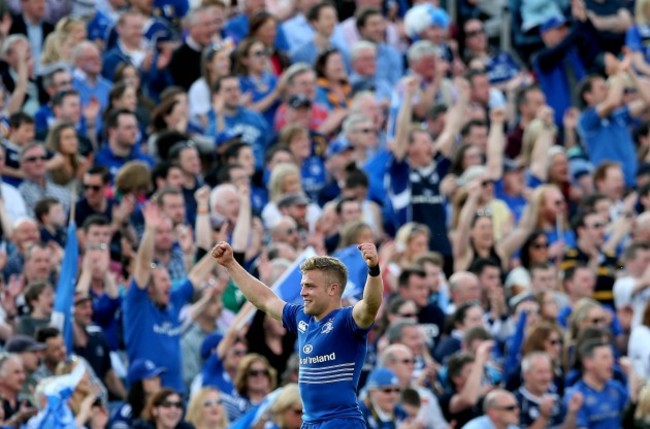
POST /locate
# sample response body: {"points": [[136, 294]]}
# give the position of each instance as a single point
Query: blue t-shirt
{"points": [[106, 158], [637, 39], [501, 68], [259, 90], [251, 125], [609, 139], [600, 409], [154, 333], [332, 352]]}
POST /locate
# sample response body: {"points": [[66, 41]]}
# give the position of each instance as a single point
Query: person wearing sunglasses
{"points": [[380, 408], [596, 251], [501, 412], [36, 185], [254, 380], [206, 410], [164, 410]]}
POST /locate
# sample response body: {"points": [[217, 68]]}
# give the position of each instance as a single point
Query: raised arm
{"points": [[144, 257], [614, 96], [545, 139], [202, 227], [471, 392], [260, 295], [399, 144], [365, 311], [200, 271], [513, 241], [460, 238], [496, 143], [455, 119]]}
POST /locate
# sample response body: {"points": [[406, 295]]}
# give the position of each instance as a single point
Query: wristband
{"points": [[373, 271]]}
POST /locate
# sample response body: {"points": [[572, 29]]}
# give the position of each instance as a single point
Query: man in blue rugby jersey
{"points": [[332, 339]]}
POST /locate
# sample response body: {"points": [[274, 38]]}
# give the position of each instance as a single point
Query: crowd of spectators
{"points": [[503, 175]]}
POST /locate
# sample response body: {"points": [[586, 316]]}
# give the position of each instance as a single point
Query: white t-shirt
{"points": [[623, 297]]}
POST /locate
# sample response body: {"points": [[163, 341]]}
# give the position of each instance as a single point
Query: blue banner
{"points": [[287, 286], [357, 271], [65, 288]]}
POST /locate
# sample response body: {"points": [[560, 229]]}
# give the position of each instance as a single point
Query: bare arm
{"points": [[234, 329], [614, 97], [260, 295], [242, 232], [639, 63], [115, 385], [460, 240], [400, 143], [470, 394], [202, 227], [496, 143], [200, 271], [20, 91], [365, 311], [455, 120], [266, 102], [539, 155], [618, 23], [144, 257], [513, 241]]}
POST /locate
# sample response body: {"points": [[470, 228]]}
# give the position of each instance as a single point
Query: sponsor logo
{"points": [[327, 327], [308, 348], [318, 359], [302, 326]]}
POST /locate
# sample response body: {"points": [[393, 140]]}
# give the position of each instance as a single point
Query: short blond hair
{"points": [[334, 269], [289, 396]]}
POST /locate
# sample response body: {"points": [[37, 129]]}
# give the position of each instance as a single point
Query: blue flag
{"points": [[62, 315], [357, 271], [253, 416], [287, 286]]}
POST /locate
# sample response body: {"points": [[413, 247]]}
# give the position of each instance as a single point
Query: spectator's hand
{"points": [[24, 413], [449, 185], [483, 351], [463, 88], [152, 215], [185, 239], [625, 66], [147, 62], [246, 99], [578, 10], [91, 110], [575, 402], [369, 253], [124, 209], [630, 202], [202, 196], [546, 406], [217, 104], [387, 251], [411, 86], [164, 56], [546, 115], [5, 24], [498, 115], [570, 118], [98, 417], [222, 253], [611, 64], [626, 365]]}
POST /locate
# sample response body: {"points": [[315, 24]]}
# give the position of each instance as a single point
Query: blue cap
{"points": [[209, 344], [142, 369], [551, 23], [439, 17], [381, 377], [338, 146]]}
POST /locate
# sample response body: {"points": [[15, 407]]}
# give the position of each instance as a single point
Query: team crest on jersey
{"points": [[302, 326], [327, 327], [308, 348]]}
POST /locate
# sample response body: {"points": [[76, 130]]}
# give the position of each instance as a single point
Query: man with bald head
{"points": [[501, 412], [225, 202], [464, 287], [286, 231], [399, 359], [87, 78]]}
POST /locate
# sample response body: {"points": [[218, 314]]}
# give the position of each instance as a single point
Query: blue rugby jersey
{"points": [[332, 353]]}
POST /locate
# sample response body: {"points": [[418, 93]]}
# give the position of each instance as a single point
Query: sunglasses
{"points": [[95, 188], [169, 404], [407, 361], [212, 402], [292, 230], [35, 158], [509, 407], [555, 342], [258, 54], [296, 411], [407, 314], [366, 131], [239, 352], [540, 246], [597, 320], [487, 183], [388, 390], [257, 373], [474, 33]]}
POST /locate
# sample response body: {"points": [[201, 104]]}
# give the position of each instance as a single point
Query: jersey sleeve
{"points": [[356, 330], [289, 317], [589, 120], [183, 293]]}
